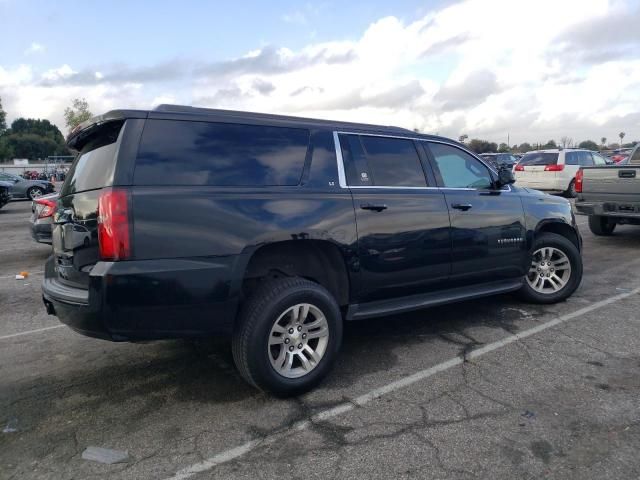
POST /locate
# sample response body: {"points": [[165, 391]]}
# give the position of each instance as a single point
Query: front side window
{"points": [[598, 159], [381, 161], [458, 169]]}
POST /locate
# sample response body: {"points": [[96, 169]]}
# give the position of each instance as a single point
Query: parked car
{"points": [[500, 160], [22, 188], [42, 210], [620, 155], [5, 193], [275, 230], [610, 195], [554, 170]]}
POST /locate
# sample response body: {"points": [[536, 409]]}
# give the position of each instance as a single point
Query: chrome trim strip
{"points": [[342, 179]]}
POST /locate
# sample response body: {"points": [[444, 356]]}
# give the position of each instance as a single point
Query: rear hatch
{"points": [[75, 229], [537, 168]]}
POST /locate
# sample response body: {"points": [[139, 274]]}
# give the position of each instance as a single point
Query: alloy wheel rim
{"points": [[36, 193], [298, 340], [550, 270]]}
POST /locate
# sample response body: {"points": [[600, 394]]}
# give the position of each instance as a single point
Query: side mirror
{"points": [[505, 177]]}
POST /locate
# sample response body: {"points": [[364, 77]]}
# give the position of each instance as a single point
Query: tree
{"points": [[32, 138], [3, 119], [550, 144], [566, 142], [482, 146], [588, 145], [525, 147], [621, 135], [33, 146], [503, 147], [603, 140], [76, 114], [35, 126]]}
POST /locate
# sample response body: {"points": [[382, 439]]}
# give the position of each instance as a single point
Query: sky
{"points": [[523, 70]]}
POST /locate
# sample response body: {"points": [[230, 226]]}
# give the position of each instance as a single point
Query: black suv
{"points": [[186, 222]]}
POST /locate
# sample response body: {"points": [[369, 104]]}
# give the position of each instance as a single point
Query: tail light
{"points": [[519, 168], [48, 207], [554, 168], [579, 181], [114, 224]]}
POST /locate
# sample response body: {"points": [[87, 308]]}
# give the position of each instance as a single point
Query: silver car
{"points": [[21, 188]]}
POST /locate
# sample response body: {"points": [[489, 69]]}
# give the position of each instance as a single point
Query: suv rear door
{"points": [[487, 224], [404, 244]]}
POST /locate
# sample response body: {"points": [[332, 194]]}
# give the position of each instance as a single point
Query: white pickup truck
{"points": [[610, 195]]}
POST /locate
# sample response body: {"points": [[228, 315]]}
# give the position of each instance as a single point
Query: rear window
{"points": [[381, 161], [538, 158], [220, 154], [95, 164]]}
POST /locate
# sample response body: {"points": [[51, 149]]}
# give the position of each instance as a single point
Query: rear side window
{"points": [[96, 162], [221, 154], [538, 158], [635, 156], [381, 161]]}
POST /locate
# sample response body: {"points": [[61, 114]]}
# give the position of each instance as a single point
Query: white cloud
{"points": [[35, 47], [467, 68]]}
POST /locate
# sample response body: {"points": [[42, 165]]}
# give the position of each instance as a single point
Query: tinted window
{"points": [[598, 159], [204, 153], [585, 159], [95, 164], [635, 156], [381, 161], [571, 158], [458, 169], [538, 158]]}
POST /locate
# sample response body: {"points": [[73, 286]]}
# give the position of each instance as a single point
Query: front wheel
{"points": [[601, 226], [555, 271], [287, 336], [35, 192]]}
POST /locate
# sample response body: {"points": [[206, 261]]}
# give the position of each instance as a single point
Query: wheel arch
{"points": [[320, 261], [559, 228]]}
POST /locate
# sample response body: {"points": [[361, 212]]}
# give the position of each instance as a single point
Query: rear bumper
{"points": [[609, 209], [551, 185], [146, 300], [41, 232]]}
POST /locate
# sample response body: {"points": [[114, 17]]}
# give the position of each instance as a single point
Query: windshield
{"points": [[539, 158]]}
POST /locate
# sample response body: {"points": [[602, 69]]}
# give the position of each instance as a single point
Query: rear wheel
{"points": [[555, 271], [287, 336], [601, 226], [571, 191]]}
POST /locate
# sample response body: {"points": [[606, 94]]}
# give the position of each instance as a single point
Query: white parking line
{"points": [[362, 400], [29, 332]]}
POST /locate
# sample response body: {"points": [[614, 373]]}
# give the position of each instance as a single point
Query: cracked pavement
{"points": [[563, 403]]}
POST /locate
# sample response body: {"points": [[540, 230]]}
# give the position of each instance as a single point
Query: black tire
{"points": [[253, 327], [528, 294], [35, 192], [601, 226], [571, 191]]}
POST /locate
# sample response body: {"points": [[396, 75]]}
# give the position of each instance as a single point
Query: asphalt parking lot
{"points": [[490, 389]]}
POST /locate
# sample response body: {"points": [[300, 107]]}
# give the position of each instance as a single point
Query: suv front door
{"points": [[487, 224], [404, 244]]}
